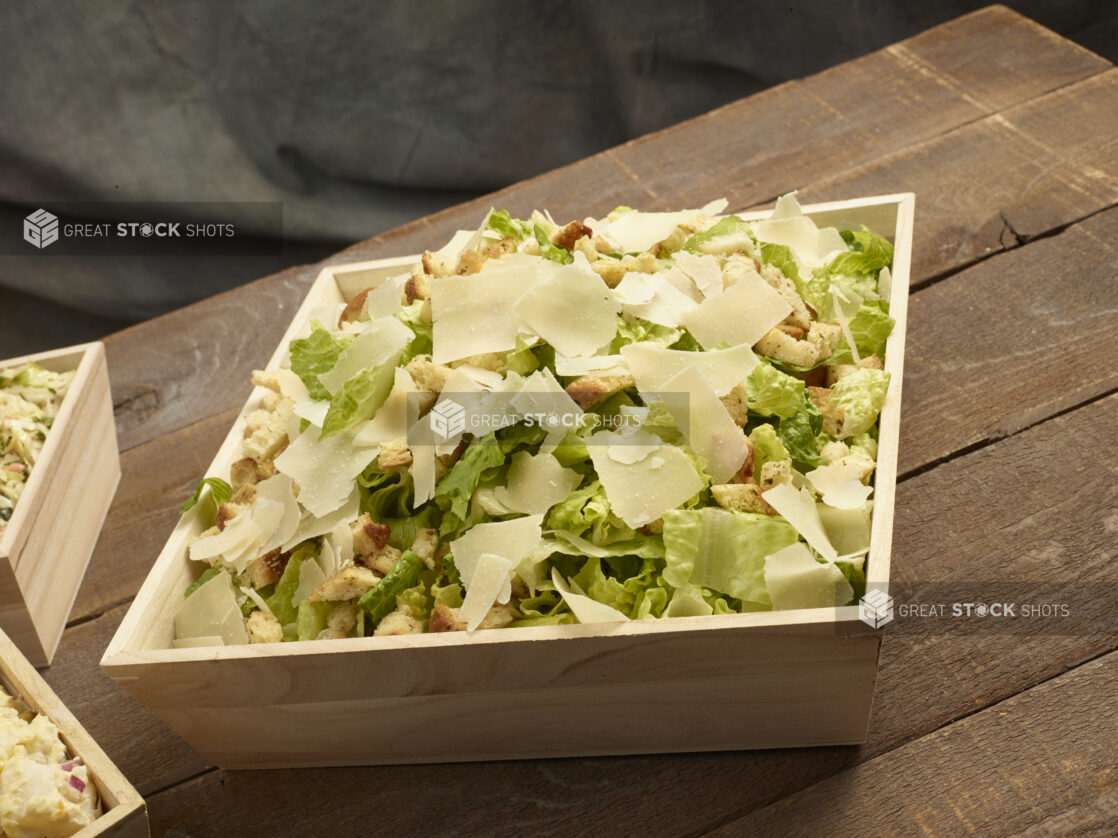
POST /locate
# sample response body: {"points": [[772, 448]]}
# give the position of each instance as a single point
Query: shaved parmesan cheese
{"points": [[840, 485], [640, 492], [847, 529], [682, 283], [846, 305], [342, 539], [291, 385], [473, 314], [391, 419], [386, 299], [313, 411], [328, 558], [212, 611], [610, 364], [536, 483], [585, 609], [796, 580], [311, 577], [581, 544], [311, 526], [704, 270], [572, 310], [379, 343], [324, 469], [422, 472], [885, 283], [636, 232], [740, 315], [709, 429], [280, 490], [788, 225], [652, 365], [460, 239], [491, 578], [653, 298], [239, 533], [797, 507], [514, 540]]}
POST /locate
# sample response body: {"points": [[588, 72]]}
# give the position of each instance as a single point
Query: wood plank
{"points": [[962, 515], [144, 750], [994, 183], [157, 477], [1040, 763], [180, 368], [1010, 341]]}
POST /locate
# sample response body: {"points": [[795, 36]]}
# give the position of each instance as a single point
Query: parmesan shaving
{"points": [[797, 507], [740, 315]]}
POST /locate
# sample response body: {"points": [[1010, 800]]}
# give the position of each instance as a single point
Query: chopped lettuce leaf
{"points": [[861, 394], [522, 360], [780, 255], [382, 600], [728, 226], [315, 354], [358, 399], [280, 602], [724, 551], [548, 250], [311, 618], [508, 227], [635, 330], [767, 447], [799, 434], [869, 253], [202, 580], [774, 393], [220, 492], [587, 512], [870, 328], [412, 317]]}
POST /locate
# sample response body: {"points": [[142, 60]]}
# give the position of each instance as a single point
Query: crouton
{"points": [[340, 622], [833, 415], [368, 535], [266, 428], [245, 495], [491, 361], [800, 317], [610, 270], [417, 287], [736, 403], [380, 560], [425, 544], [741, 497], [445, 618], [348, 583], [566, 237], [263, 627], [588, 390], [835, 372], [498, 249], [653, 527], [782, 347], [394, 454], [226, 512], [266, 379], [267, 569], [861, 466], [833, 450], [775, 472], [469, 262], [355, 308], [436, 264], [500, 616], [401, 621], [247, 470], [824, 337]]}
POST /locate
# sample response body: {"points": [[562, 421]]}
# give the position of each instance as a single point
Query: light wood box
{"points": [[124, 814], [759, 680], [47, 545]]}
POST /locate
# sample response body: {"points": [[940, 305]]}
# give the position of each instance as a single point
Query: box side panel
{"points": [[15, 617], [741, 690], [70, 511], [124, 808]]}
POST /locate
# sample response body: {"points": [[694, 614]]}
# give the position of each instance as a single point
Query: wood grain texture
{"points": [[1011, 341], [962, 515], [149, 754], [124, 814], [47, 545], [1038, 764], [178, 369], [157, 477]]}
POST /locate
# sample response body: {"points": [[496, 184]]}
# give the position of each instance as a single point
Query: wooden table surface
{"points": [[1008, 135]]}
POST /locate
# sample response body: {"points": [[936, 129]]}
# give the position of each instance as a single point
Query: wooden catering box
{"points": [[755, 680], [57, 521], [124, 814]]}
